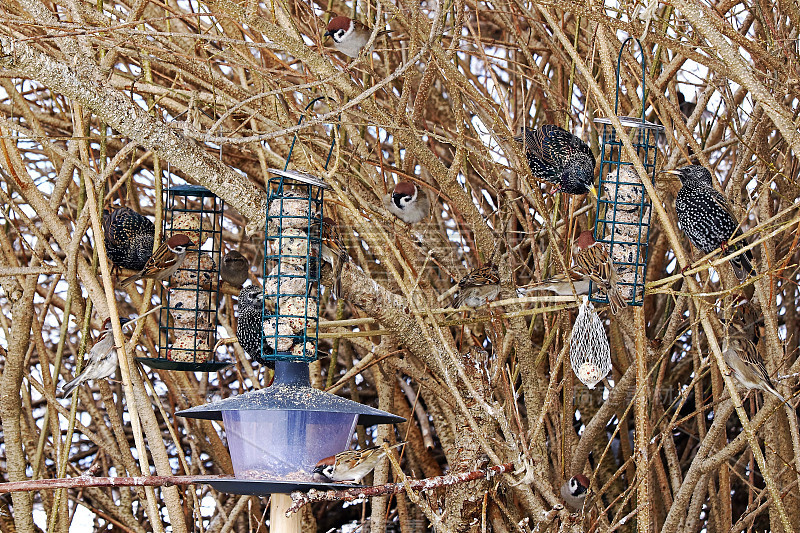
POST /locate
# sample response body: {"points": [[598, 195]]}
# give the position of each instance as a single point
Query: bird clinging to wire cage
{"points": [[558, 156], [250, 321], [128, 237], [165, 261], [592, 259], [333, 252], [706, 218]]}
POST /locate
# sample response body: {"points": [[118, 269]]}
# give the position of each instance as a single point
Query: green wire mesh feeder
{"points": [[623, 207], [277, 434], [188, 316]]}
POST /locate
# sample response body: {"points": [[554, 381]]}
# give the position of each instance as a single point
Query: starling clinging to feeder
{"points": [[165, 261], [249, 325], [235, 269], [478, 287], [592, 259], [557, 156], [128, 237], [706, 218]]}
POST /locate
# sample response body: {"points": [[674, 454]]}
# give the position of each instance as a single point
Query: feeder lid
{"points": [[190, 190], [292, 392], [631, 122], [302, 177]]}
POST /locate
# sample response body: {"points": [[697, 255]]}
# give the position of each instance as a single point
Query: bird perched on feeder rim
{"points": [[128, 237], [235, 269], [705, 216], [592, 259], [478, 287], [574, 491], [746, 365], [102, 362], [351, 465], [558, 156], [165, 261], [349, 36], [407, 202]]}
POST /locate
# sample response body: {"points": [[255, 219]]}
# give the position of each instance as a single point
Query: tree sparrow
{"points": [[349, 36], [351, 465], [407, 202], [746, 364], [165, 261], [102, 362], [592, 260], [478, 287], [574, 491], [235, 269]]}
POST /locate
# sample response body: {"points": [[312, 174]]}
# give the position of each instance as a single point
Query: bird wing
{"points": [[484, 275], [162, 259], [720, 200]]}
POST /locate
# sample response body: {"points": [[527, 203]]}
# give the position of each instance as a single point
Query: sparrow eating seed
{"points": [[407, 202], [706, 218], [557, 156], [351, 465], [165, 261]]}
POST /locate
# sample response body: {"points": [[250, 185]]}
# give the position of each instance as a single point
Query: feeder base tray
{"points": [[258, 487], [166, 364]]}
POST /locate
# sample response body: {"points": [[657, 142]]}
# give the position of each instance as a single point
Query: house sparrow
{"points": [[349, 36], [559, 284], [746, 364], [574, 491], [235, 269], [165, 261], [102, 361], [333, 251], [478, 287], [351, 465], [128, 237], [407, 202], [558, 156], [592, 259], [706, 218]]}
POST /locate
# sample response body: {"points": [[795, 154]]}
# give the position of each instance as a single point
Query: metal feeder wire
{"points": [[292, 263], [188, 317], [623, 207]]}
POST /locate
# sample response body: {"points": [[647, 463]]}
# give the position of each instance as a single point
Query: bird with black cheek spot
{"points": [[705, 216], [574, 491], [558, 156], [349, 36], [408, 202]]}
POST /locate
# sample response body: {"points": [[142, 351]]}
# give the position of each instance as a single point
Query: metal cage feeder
{"points": [[623, 206], [188, 316]]}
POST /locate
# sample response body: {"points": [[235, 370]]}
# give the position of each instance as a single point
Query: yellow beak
{"points": [[593, 191], [672, 172]]}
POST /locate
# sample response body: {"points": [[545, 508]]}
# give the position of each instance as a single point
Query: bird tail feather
{"points": [[127, 281], [68, 388], [743, 266], [616, 301]]}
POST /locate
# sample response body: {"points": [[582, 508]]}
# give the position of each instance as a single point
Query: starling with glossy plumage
{"points": [[249, 325], [706, 218], [129, 237], [557, 156]]}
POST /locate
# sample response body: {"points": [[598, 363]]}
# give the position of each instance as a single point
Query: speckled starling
{"points": [[557, 156], [235, 269], [128, 237], [478, 287], [248, 327], [706, 218]]}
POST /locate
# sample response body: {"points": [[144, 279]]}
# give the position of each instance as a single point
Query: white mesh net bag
{"points": [[589, 352]]}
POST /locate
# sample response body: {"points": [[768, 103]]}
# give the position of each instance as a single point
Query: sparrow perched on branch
{"points": [[102, 362], [407, 202], [559, 284], [574, 491], [478, 287], [165, 261], [128, 237], [558, 156], [351, 465], [349, 36], [235, 269], [705, 216], [592, 260], [746, 364]]}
